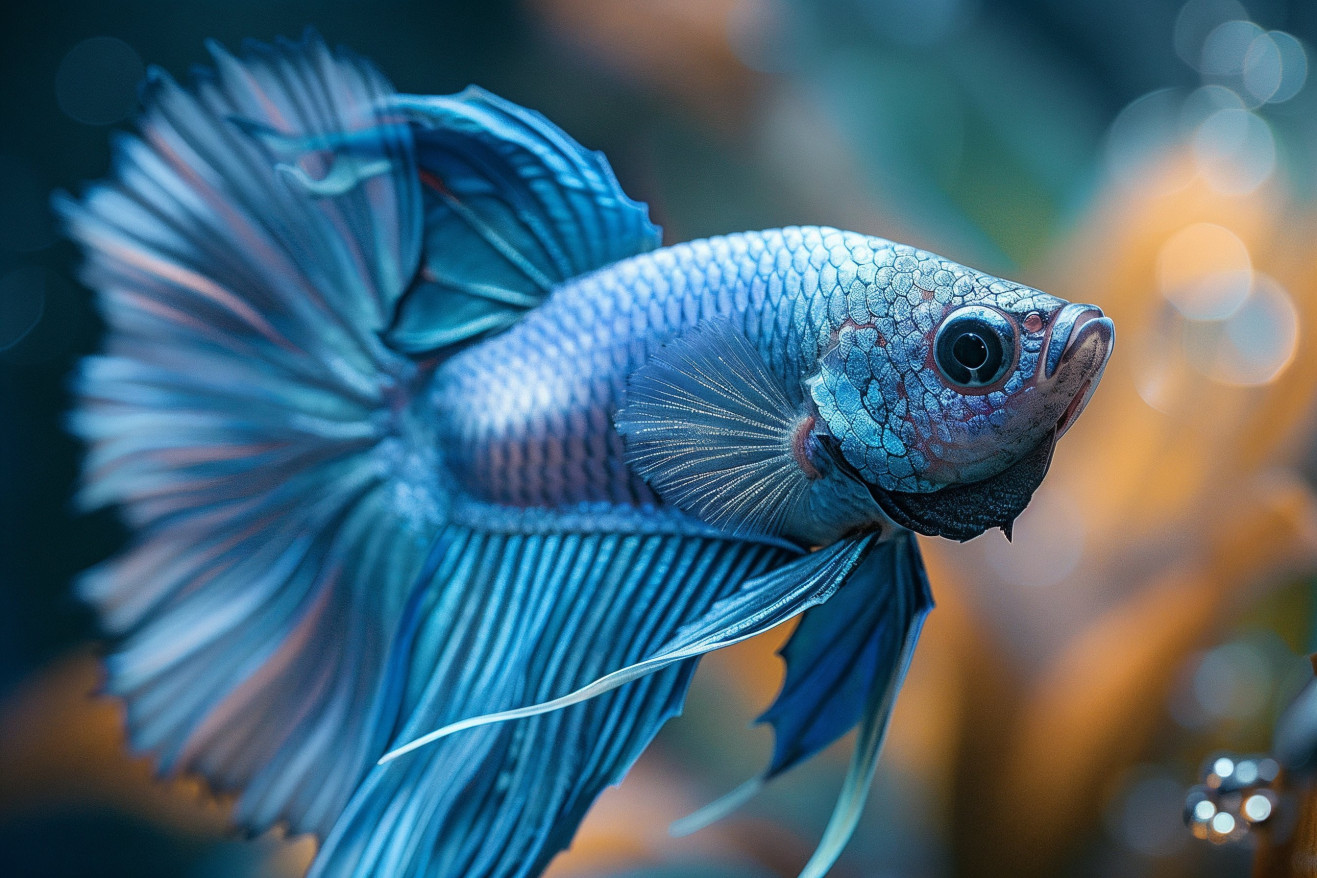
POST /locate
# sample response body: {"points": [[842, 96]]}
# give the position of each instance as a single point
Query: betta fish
{"points": [[442, 473]]}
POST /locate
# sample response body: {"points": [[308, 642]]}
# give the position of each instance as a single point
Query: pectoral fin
{"points": [[714, 432]]}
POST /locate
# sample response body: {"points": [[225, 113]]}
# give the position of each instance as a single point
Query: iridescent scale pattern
{"points": [[841, 318]]}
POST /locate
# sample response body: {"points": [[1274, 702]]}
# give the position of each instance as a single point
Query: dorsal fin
{"points": [[514, 207]]}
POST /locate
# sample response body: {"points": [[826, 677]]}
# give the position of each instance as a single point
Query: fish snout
{"points": [[1083, 336], [1076, 329]]}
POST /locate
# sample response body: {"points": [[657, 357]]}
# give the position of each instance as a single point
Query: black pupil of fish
{"points": [[970, 351]]}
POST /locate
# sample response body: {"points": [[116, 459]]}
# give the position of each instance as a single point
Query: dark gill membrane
{"points": [[962, 512]]}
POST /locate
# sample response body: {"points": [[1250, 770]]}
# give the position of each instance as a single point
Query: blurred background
{"points": [[1156, 607]]}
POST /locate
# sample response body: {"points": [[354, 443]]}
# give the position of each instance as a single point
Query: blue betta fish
{"points": [[442, 473]]}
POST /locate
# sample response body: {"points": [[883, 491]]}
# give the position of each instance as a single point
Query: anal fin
{"points": [[508, 615]]}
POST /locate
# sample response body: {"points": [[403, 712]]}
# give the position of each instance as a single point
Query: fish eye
{"points": [[974, 346]]}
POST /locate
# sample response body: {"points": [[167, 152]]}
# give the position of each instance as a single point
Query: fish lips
{"points": [[1078, 346], [1079, 343]]}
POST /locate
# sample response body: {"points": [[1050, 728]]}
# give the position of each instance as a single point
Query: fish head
{"points": [[947, 397]]}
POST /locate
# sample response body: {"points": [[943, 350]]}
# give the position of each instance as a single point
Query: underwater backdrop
{"points": [[1156, 605]]}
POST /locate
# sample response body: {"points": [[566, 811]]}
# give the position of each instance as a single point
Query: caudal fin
{"points": [[257, 434]]}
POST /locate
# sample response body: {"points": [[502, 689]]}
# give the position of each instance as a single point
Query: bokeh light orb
{"points": [[1141, 136], [1205, 271], [1262, 68], [1234, 150], [1252, 346], [1226, 46], [22, 302], [97, 81], [1293, 66], [1198, 18], [1257, 807]]}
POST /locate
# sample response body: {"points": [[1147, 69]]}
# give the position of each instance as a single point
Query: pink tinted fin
{"points": [[253, 428]]}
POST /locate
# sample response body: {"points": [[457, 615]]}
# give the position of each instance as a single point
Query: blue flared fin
{"points": [[759, 604], [511, 617], [253, 428], [841, 650], [868, 743], [514, 207], [845, 663], [713, 431], [436, 317]]}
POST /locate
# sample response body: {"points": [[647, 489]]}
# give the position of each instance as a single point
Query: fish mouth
{"points": [[1076, 406], [1079, 344], [1076, 331]]}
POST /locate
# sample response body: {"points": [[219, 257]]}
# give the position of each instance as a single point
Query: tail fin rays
{"points": [[256, 432]]}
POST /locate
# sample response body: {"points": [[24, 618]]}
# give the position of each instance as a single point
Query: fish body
{"points": [[844, 322], [443, 474]]}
